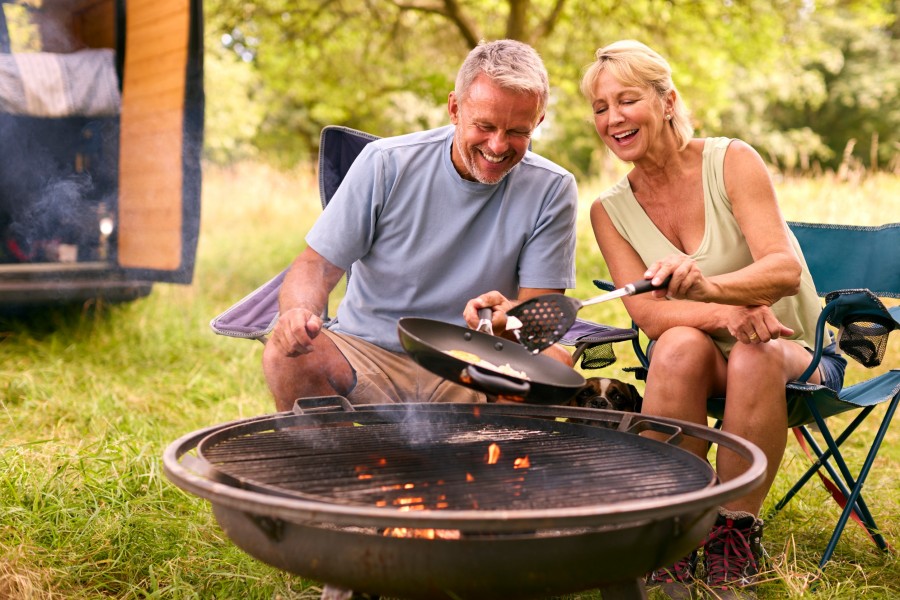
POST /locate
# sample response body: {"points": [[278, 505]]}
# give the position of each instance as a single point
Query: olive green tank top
{"points": [[723, 248]]}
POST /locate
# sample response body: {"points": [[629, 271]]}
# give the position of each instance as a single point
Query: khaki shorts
{"points": [[385, 377]]}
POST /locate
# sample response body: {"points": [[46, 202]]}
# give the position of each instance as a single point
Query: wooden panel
{"points": [[150, 157], [145, 126]]}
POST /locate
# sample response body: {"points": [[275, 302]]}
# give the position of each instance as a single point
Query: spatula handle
{"points": [[646, 285]]}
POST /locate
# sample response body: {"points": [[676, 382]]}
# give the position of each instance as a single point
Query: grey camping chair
{"points": [[254, 316], [853, 267]]}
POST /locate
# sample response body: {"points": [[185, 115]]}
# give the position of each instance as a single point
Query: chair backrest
{"points": [[842, 257], [338, 148]]}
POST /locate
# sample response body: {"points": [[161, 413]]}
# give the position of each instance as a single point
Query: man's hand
{"points": [[497, 302], [295, 331]]}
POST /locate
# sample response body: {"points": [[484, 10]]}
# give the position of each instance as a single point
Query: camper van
{"points": [[101, 128]]}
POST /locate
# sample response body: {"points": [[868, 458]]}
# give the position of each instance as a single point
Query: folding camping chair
{"points": [[852, 267], [255, 315]]}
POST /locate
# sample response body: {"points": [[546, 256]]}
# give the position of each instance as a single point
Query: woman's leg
{"points": [[756, 409], [687, 368]]}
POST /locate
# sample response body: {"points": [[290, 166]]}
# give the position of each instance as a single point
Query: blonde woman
{"points": [[738, 317]]}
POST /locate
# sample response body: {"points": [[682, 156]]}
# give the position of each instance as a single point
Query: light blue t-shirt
{"points": [[421, 241]]}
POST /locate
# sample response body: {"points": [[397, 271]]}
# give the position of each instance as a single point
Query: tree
{"points": [[386, 66]]}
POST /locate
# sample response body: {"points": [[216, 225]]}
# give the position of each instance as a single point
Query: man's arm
{"points": [[303, 298]]}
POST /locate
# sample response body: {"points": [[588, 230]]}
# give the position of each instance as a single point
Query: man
{"points": [[427, 221]]}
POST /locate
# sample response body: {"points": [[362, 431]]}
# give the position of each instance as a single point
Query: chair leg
{"points": [[855, 497], [822, 457], [846, 489]]}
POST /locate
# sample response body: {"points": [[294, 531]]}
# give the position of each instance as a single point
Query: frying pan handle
{"points": [[484, 321], [497, 384], [646, 285]]}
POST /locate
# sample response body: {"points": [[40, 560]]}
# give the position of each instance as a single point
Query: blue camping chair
{"points": [[255, 315], [852, 268]]}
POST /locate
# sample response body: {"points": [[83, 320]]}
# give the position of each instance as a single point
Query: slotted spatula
{"points": [[546, 318]]}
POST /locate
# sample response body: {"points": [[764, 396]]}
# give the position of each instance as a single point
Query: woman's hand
{"points": [[688, 282], [755, 324]]}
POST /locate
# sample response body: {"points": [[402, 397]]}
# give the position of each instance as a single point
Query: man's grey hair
{"points": [[510, 64]]}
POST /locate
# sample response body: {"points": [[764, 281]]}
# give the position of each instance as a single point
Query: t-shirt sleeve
{"points": [[548, 257]]}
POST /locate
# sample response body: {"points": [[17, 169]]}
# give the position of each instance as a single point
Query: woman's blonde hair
{"points": [[635, 64]]}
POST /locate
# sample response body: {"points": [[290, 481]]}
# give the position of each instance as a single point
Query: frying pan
{"points": [[546, 381], [546, 318]]}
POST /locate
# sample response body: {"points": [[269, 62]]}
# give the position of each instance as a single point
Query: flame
{"points": [[469, 477], [521, 463], [428, 534], [407, 501], [493, 454]]}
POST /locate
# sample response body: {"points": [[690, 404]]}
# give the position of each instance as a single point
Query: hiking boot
{"points": [[675, 581], [732, 555]]}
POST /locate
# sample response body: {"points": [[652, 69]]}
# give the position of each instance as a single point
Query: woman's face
{"points": [[628, 119]]}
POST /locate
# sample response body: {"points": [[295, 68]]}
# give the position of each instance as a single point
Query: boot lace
{"points": [[730, 554], [682, 570]]}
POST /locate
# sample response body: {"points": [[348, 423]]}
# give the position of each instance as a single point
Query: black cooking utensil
{"points": [[430, 343], [546, 318]]}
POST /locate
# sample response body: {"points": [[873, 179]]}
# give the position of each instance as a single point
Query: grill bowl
{"points": [[515, 547]]}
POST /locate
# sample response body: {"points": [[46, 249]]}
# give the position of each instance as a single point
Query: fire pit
{"points": [[459, 500]]}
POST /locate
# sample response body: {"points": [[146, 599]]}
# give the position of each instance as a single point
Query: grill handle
{"points": [[320, 404], [675, 433]]}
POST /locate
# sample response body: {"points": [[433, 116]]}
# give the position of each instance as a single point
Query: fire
{"points": [[493, 454], [469, 477], [409, 503], [521, 463], [427, 534]]}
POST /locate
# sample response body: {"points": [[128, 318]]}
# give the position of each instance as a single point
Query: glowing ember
{"points": [[428, 534], [469, 477], [407, 501], [521, 463], [493, 454]]}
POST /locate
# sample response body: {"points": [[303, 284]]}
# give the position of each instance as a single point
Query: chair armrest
{"points": [[864, 324], [640, 372], [254, 316]]}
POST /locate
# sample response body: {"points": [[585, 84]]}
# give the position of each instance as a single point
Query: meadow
{"points": [[91, 396]]}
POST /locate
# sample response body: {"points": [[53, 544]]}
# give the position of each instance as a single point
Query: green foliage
{"points": [[836, 106], [748, 68]]}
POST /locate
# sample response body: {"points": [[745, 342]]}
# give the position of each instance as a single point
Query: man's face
{"points": [[493, 129]]}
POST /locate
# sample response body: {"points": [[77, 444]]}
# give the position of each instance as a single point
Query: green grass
{"points": [[89, 399]]}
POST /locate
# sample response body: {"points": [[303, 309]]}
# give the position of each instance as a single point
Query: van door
{"points": [[161, 140]]}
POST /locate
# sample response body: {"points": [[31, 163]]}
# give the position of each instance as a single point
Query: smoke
{"points": [[48, 209]]}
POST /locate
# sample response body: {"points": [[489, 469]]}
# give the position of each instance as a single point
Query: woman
{"points": [[738, 317]]}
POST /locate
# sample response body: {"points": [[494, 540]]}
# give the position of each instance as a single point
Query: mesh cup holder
{"points": [[597, 357], [865, 340]]}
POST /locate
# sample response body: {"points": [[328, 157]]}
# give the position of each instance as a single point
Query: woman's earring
{"points": [[668, 117]]}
